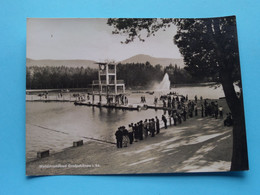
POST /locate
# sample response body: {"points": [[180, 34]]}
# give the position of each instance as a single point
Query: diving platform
{"points": [[107, 85]]}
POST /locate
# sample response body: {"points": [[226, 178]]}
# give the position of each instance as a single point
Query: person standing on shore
{"points": [[202, 110], [216, 109], [149, 126], [141, 130], [119, 137], [184, 114], [169, 103], [136, 134], [164, 103], [173, 103], [131, 133], [145, 128], [125, 136], [174, 116], [152, 127], [196, 110], [206, 108], [179, 118], [157, 125], [220, 111], [165, 121]]}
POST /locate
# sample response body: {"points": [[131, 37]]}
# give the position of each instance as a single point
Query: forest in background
{"points": [[134, 75]]}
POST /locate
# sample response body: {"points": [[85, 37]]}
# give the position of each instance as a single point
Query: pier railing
{"points": [[96, 82], [111, 71]]}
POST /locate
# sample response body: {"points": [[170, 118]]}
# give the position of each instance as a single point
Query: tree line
{"points": [[133, 74], [59, 77]]}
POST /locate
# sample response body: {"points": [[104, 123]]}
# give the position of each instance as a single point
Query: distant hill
{"points": [[68, 63], [141, 58]]}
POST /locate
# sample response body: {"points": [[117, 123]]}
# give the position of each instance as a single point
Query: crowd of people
{"points": [[189, 108], [121, 99], [179, 108], [137, 132]]}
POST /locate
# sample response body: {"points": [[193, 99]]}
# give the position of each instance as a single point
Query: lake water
{"points": [[55, 125]]}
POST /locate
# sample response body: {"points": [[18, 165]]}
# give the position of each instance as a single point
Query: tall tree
{"points": [[210, 49]]}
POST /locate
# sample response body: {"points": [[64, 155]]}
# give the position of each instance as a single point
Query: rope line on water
{"points": [[48, 128], [58, 131]]}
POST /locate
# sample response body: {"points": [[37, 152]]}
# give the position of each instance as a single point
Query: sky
{"points": [[91, 39]]}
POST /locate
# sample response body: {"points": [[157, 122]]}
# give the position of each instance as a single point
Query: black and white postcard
{"points": [[133, 96]]}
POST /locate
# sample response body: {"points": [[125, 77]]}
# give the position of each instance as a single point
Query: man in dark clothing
{"points": [[206, 110], [196, 110], [146, 128], [179, 118], [164, 103], [157, 125], [119, 137], [140, 130], [174, 116], [205, 103], [190, 113], [184, 114], [216, 109], [136, 133], [169, 103], [165, 121], [173, 102], [152, 127]]}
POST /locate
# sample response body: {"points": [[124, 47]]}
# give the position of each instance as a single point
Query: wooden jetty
{"points": [[112, 105], [50, 100], [156, 107], [124, 107]]}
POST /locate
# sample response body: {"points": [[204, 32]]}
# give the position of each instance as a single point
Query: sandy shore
{"points": [[197, 145]]}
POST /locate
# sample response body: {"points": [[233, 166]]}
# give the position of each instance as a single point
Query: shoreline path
{"points": [[197, 145]]}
